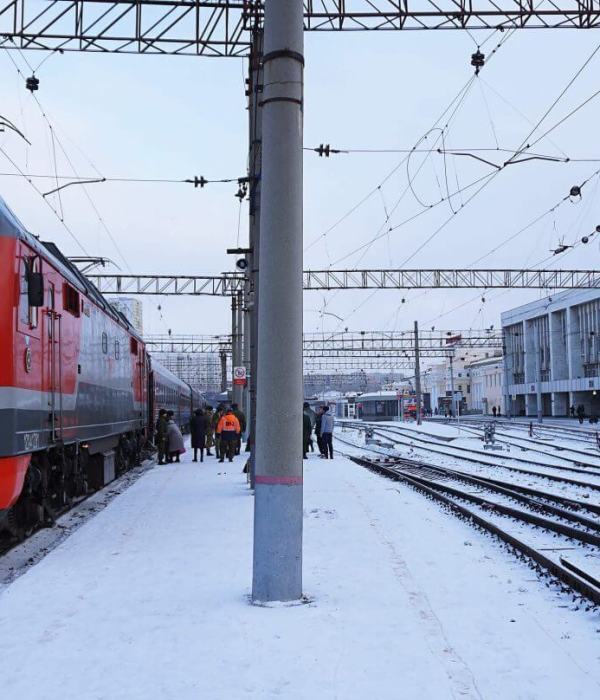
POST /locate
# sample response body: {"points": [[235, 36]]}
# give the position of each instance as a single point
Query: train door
{"points": [[54, 366]]}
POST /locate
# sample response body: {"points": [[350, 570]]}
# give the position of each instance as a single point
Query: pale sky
{"points": [[176, 117]]}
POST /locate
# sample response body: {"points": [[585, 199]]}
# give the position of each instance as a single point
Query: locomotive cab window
{"points": [[104, 343], [29, 290], [117, 350], [133, 346], [71, 300]]}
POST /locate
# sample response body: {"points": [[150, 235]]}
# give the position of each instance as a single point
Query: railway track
{"points": [[489, 460], [585, 436], [560, 517], [576, 465]]}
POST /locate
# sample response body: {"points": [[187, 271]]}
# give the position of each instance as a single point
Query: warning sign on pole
{"points": [[239, 376]]}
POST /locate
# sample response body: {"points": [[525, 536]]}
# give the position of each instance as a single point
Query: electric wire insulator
{"points": [[32, 83], [477, 61]]}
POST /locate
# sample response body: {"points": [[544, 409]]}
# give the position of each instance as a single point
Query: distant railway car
{"points": [[383, 405], [171, 393]]}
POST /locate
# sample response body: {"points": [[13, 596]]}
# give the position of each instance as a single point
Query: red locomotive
{"points": [[78, 391]]}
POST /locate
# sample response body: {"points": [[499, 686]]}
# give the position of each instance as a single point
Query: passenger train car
{"points": [[79, 393], [384, 405]]}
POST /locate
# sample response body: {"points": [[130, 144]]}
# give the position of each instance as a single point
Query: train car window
{"points": [[117, 350], [104, 343], [133, 346], [71, 300], [28, 315]]}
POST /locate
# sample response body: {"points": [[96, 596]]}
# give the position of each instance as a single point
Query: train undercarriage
{"points": [[64, 474]]}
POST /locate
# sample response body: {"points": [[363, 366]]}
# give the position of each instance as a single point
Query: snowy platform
{"points": [[149, 599]]}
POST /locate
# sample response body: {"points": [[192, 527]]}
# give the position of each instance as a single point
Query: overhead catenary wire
{"points": [[64, 225]]}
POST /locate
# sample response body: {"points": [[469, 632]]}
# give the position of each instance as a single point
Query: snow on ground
{"points": [[149, 599]]}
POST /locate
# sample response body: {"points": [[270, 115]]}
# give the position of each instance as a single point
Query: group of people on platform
{"points": [[221, 428], [321, 422]]}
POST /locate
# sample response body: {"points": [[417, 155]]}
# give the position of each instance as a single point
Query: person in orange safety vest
{"points": [[229, 430]]}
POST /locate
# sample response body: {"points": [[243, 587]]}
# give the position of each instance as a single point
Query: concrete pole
{"points": [[255, 86], [234, 342], [277, 574], [507, 394], [417, 375], [223, 357], [237, 390], [538, 372], [452, 396]]}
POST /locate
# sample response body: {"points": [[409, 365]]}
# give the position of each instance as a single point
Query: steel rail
{"points": [[586, 585], [588, 469], [518, 470]]}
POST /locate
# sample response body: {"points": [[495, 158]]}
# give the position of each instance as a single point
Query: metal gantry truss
{"points": [[372, 344], [224, 27], [229, 284], [170, 285]]}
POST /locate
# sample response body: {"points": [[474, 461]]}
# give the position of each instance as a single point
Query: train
{"points": [[79, 392], [376, 406]]}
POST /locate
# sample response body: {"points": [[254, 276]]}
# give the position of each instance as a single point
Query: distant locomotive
{"points": [[79, 394]]}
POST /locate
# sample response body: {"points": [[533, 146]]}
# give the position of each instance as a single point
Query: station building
{"points": [[553, 354], [487, 380]]}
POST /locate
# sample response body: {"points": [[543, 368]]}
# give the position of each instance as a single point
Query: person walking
{"points": [[327, 432], [580, 413], [161, 435], [198, 428], [210, 432], [239, 414], [494, 411], [174, 439], [228, 430]]}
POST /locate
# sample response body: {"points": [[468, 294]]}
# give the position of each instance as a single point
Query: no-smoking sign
{"points": [[239, 376]]}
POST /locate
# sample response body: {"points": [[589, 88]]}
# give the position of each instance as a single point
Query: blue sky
{"points": [[147, 116]]}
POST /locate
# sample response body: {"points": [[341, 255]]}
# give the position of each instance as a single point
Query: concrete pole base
{"points": [[277, 560]]}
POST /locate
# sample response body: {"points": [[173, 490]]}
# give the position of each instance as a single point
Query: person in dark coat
{"points": [[306, 431], [241, 416], [216, 417], [161, 435], [580, 412], [318, 431], [210, 431], [198, 428]]}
